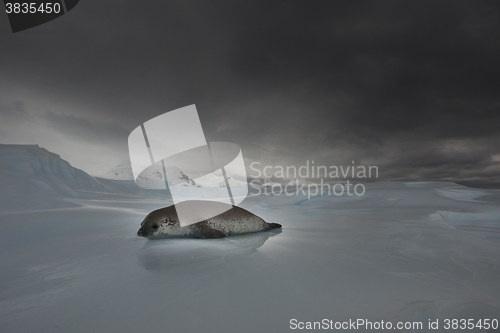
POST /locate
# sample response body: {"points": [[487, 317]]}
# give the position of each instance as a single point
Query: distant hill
{"points": [[32, 177], [123, 171]]}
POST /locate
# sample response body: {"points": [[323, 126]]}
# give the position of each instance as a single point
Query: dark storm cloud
{"points": [[13, 114], [81, 128], [76, 127], [410, 86]]}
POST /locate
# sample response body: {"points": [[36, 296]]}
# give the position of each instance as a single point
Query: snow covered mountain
{"points": [[39, 178], [33, 178], [123, 171]]}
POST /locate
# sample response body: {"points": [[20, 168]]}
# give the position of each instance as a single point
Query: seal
{"points": [[164, 223]]}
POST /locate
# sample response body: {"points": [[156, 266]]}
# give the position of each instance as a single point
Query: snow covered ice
{"points": [[71, 260]]}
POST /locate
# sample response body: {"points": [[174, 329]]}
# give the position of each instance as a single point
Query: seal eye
{"points": [[155, 226]]}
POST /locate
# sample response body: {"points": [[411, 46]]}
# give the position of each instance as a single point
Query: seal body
{"points": [[164, 223]]}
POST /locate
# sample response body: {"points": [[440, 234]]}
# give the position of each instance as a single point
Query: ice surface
{"points": [[401, 252]]}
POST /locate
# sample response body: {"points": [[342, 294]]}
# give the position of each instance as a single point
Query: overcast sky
{"points": [[410, 86]]}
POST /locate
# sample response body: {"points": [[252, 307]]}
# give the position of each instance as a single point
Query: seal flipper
{"points": [[274, 226], [203, 230], [212, 233]]}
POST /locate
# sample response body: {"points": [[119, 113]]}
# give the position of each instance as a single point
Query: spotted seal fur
{"points": [[164, 223]]}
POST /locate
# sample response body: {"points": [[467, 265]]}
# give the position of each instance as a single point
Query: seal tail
{"points": [[274, 226]]}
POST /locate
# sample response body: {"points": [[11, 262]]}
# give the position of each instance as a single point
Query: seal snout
{"points": [[140, 233]]}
